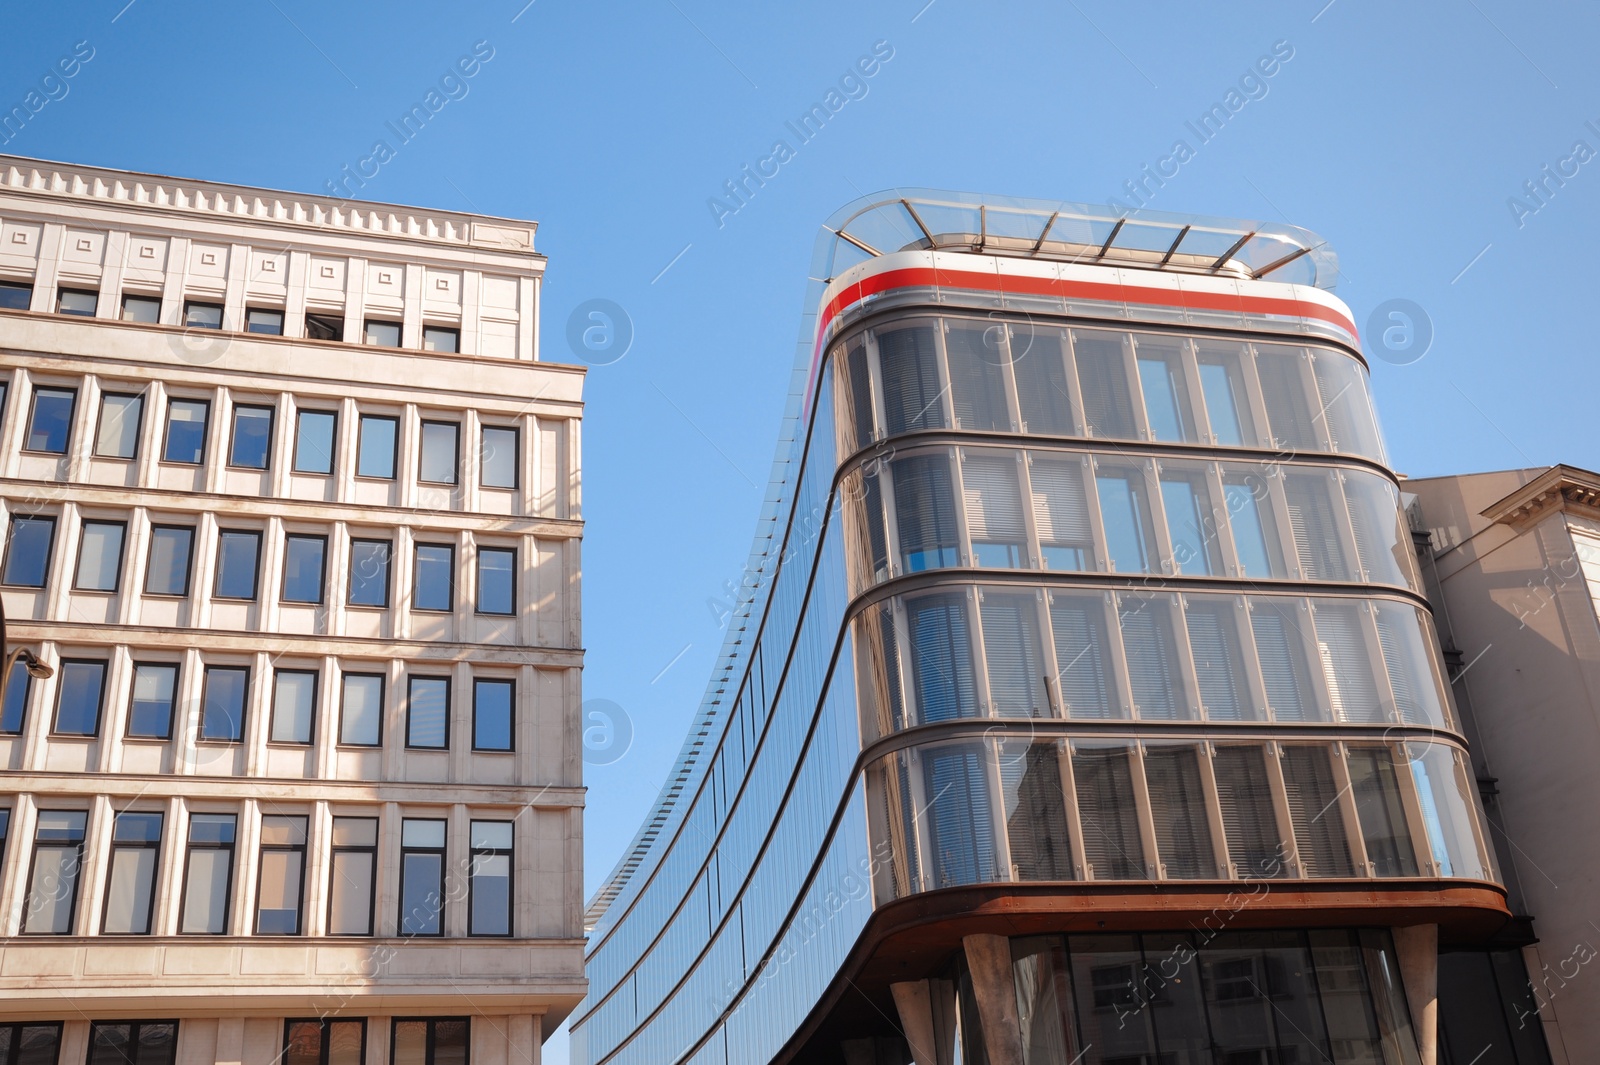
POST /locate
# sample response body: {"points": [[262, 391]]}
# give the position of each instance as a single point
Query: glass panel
{"points": [[994, 509], [186, 431], [1126, 515], [1044, 1000], [100, 556], [78, 700], [1178, 808], [499, 457], [375, 453], [977, 381], [168, 572], [383, 334], [1347, 1003], [911, 392], [1013, 655], [52, 893], [1261, 994], [925, 512], [16, 702], [1317, 521], [237, 554], [1061, 514], [1403, 632], [450, 1039], [1280, 627], [1255, 537], [222, 715], [313, 441], [154, 688], [1218, 667], [350, 905], [438, 453], [1079, 626], [1037, 360], [369, 572], [941, 657], [302, 1043], [1106, 970], [279, 911], [15, 296], [1346, 406], [1222, 384], [1107, 814], [1346, 662], [346, 1042], [51, 424], [294, 704], [960, 821], [1283, 391], [1166, 403], [78, 302], [428, 713], [1152, 658], [1383, 541], [28, 551], [1449, 806], [1036, 820], [435, 577], [1248, 822], [205, 896], [261, 320], [1189, 523], [422, 833], [1103, 380], [438, 338], [1379, 809], [491, 715], [303, 568], [361, 718], [1315, 813], [1172, 986], [252, 437], [421, 894], [410, 1043], [496, 580], [117, 435], [202, 315], [491, 895], [130, 885]]}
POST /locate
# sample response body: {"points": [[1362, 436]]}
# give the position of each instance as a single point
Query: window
{"points": [[131, 874], [436, 1041], [428, 712], [303, 563], [30, 1044], [294, 705], [324, 327], [1104, 784], [264, 321], [314, 441], [925, 512], [382, 334], [140, 1042], [439, 453], [1222, 386], [375, 452], [1257, 548], [1161, 381], [15, 295], [15, 707], [497, 580], [913, 397], [186, 431], [208, 875], [53, 880], [222, 703], [361, 712], [421, 877], [1103, 379], [941, 657], [1078, 623], [489, 880], [1127, 520], [155, 686], [198, 315], [145, 309], [282, 876], [994, 509], [436, 566], [439, 338], [252, 438], [1178, 810], [168, 572], [50, 421], [1061, 514], [238, 552], [369, 572], [324, 1042], [492, 714], [977, 382], [1190, 523], [1380, 811], [117, 435], [28, 551], [77, 301], [100, 556], [352, 876], [79, 696], [499, 457]]}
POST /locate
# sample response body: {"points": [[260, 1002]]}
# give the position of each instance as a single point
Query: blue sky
{"points": [[1399, 132]]}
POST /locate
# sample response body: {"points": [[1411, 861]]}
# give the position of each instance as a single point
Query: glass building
{"points": [[1084, 703]]}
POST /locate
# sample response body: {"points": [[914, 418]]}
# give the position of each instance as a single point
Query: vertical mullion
{"points": [[941, 361], [1177, 609], [1355, 837], [1030, 525], [920, 815], [1416, 824], [1288, 845], [891, 517], [1047, 656], [1118, 656], [1008, 373], [1221, 530], [1074, 388], [980, 658], [1154, 867], [1249, 659], [958, 489], [880, 416], [1130, 372], [1097, 525], [1208, 786], [1319, 667], [1254, 397], [1069, 795], [1150, 470], [1282, 529], [997, 806], [1387, 703], [1201, 414]]}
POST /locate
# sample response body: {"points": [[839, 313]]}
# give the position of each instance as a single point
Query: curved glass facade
{"points": [[1048, 602]]}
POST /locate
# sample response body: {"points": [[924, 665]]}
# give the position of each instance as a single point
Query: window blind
{"points": [[1079, 624], [1376, 790], [1103, 379], [941, 650], [1284, 394], [1280, 649], [925, 512], [1314, 522], [1400, 634], [1107, 815], [1214, 643], [1011, 648], [1060, 510], [856, 378], [977, 383], [1152, 661], [1036, 817], [1345, 663], [961, 825], [1248, 821], [1036, 360], [910, 379], [1178, 810], [1380, 535], [993, 498], [1314, 812]]}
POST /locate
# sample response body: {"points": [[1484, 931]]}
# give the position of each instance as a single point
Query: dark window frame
{"points": [[388, 574], [322, 578], [143, 298], [316, 699], [511, 879], [33, 861], [205, 692], [279, 311], [333, 451], [416, 578], [453, 330], [122, 555], [255, 582], [477, 605], [441, 851], [188, 565], [511, 713], [325, 1035], [133, 680], [190, 305], [155, 874], [399, 332], [22, 712], [66, 291], [432, 1033], [133, 1039], [11, 541], [394, 451], [138, 436], [383, 687], [411, 680], [8, 285], [61, 691], [205, 434], [189, 847], [11, 1037], [332, 324], [301, 848], [516, 457], [455, 460], [233, 435], [336, 849], [33, 412]]}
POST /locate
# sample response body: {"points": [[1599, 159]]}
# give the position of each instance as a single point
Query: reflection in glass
{"points": [[925, 512], [1125, 514]]}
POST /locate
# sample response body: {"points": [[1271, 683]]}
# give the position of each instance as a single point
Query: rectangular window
{"points": [[1152, 657], [1190, 524], [440, 456], [1165, 403], [497, 580], [15, 707], [1103, 381], [324, 1042], [28, 551], [1249, 822], [1315, 813], [155, 687], [50, 420], [499, 457], [263, 321], [201, 315], [208, 875], [1250, 525], [303, 564], [79, 696], [382, 334], [1222, 386], [77, 301], [1126, 515], [352, 876], [294, 705], [435, 1041], [279, 892], [1380, 811], [925, 512], [436, 568], [251, 447], [994, 509], [361, 710], [100, 556], [375, 451], [170, 549], [1178, 810], [428, 713], [15, 296], [117, 435], [238, 553], [421, 877], [489, 880], [222, 703], [977, 381], [30, 1044], [140, 1042], [324, 327], [314, 441], [369, 572], [441, 338], [53, 881], [1218, 663], [186, 431], [144, 309], [1106, 809], [492, 715], [131, 874], [1061, 514]]}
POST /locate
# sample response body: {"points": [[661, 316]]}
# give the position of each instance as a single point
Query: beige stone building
{"points": [[291, 520]]}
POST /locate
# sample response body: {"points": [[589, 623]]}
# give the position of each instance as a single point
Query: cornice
{"points": [[1560, 488]]}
